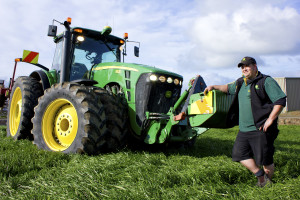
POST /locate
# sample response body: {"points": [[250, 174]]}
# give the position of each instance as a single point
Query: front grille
{"points": [[151, 96], [158, 102]]}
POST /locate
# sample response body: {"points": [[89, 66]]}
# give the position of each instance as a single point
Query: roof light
{"points": [[77, 30], [125, 36], [18, 59], [80, 38], [69, 20], [153, 77]]}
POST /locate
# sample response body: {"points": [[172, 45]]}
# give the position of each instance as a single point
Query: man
{"points": [[257, 103]]}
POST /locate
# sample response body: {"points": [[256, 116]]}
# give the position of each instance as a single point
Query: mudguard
{"points": [[42, 77]]}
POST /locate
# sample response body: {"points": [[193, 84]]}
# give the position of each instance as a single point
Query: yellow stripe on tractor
{"points": [[115, 67]]}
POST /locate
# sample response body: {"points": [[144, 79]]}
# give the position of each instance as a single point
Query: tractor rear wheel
{"points": [[116, 112], [24, 97]]}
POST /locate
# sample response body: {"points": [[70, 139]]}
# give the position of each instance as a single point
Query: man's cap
{"points": [[247, 61]]}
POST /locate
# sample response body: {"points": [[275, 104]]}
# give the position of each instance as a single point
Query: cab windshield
{"points": [[90, 52]]}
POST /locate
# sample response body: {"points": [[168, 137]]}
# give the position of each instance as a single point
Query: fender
{"points": [[42, 77]]}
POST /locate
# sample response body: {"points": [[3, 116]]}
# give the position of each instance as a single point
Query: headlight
{"points": [[80, 38], [169, 80], [162, 79], [176, 81], [180, 83], [153, 77]]}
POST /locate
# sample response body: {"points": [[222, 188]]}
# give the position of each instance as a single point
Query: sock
{"points": [[261, 172]]}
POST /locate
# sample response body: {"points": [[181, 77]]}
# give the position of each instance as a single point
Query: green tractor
{"points": [[92, 102]]}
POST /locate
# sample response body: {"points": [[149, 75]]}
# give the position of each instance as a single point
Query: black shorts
{"points": [[255, 144]]}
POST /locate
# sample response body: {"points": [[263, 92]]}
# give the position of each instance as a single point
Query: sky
{"points": [[188, 37]]}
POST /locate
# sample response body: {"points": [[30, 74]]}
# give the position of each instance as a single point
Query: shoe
{"points": [[267, 182]]}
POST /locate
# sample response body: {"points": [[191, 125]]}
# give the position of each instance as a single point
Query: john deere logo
{"points": [[244, 59], [256, 87], [168, 94]]}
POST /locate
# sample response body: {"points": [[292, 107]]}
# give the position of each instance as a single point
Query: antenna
{"points": [[114, 25]]}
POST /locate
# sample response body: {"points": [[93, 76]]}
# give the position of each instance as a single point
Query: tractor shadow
{"points": [[204, 147]]}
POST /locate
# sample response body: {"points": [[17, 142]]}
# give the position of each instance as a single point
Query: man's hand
{"points": [[273, 115], [192, 81], [266, 125], [222, 88], [208, 88]]}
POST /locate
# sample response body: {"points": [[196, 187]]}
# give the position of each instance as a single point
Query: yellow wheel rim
{"points": [[60, 125], [15, 111]]}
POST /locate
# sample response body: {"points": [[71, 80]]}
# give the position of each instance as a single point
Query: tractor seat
{"points": [[78, 71]]}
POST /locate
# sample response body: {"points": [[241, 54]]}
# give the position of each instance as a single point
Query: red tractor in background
{"points": [[3, 92]]}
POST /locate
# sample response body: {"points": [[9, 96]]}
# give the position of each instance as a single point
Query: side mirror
{"points": [[136, 51], [52, 30]]}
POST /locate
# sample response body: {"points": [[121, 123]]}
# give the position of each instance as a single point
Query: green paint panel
{"points": [[115, 72], [52, 76], [152, 133]]}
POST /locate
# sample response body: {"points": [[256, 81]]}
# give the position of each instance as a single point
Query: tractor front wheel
{"points": [[69, 118]]}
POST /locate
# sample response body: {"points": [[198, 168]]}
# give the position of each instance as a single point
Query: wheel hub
{"points": [[60, 125], [64, 124]]}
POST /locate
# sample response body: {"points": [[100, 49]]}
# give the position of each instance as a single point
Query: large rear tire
{"points": [[23, 99], [116, 111]]}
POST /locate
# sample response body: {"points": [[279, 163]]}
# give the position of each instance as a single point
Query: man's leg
{"points": [[259, 173], [251, 165], [242, 153], [269, 153]]}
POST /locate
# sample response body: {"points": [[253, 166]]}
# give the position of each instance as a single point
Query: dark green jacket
{"points": [[261, 104]]}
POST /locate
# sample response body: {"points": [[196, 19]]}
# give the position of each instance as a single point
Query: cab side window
{"points": [[57, 56]]}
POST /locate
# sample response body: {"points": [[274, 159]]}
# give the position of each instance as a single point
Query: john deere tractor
{"points": [[90, 101]]}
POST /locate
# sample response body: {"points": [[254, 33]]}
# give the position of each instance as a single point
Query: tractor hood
{"points": [[133, 67]]}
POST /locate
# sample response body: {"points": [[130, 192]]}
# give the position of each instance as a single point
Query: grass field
{"points": [[203, 172]]}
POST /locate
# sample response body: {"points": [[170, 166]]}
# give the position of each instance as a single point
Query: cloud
{"points": [[249, 29], [187, 37]]}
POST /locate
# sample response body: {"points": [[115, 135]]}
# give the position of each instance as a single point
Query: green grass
{"points": [[2, 115], [203, 172]]}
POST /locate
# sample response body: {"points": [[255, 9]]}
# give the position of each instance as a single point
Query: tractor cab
{"points": [[87, 49]]}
